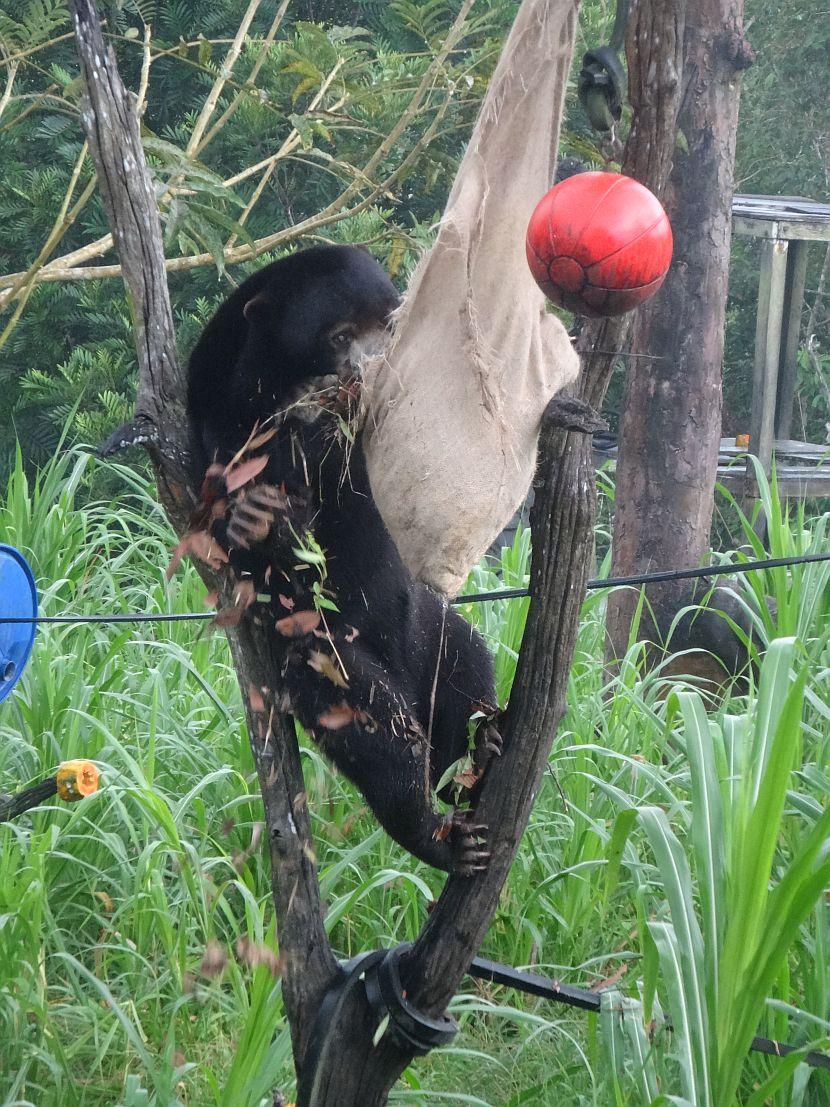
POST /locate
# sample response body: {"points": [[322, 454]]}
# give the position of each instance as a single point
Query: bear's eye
{"points": [[341, 337]]}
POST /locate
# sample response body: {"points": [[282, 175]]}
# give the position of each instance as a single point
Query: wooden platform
{"points": [[802, 468], [786, 225], [791, 218]]}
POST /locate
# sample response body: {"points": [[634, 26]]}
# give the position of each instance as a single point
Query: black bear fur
{"points": [[292, 322]]}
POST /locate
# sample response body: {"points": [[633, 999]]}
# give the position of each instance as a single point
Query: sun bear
{"points": [[378, 670]]}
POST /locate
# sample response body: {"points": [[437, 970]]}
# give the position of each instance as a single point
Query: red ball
{"points": [[599, 244]]}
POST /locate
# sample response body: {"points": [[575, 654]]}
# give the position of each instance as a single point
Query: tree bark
{"points": [[671, 422]]}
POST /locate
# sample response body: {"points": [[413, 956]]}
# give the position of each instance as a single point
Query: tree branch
{"points": [[11, 73], [225, 70], [71, 266], [250, 79]]}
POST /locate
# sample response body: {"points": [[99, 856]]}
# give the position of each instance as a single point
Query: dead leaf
{"points": [[261, 439], [468, 779], [337, 716], [486, 709], [349, 822], [442, 831], [240, 856], [214, 483], [201, 545], [324, 664], [353, 633], [244, 472], [299, 624], [254, 954], [611, 980], [244, 594], [175, 560], [106, 901], [286, 601], [251, 442], [229, 617], [214, 961]]}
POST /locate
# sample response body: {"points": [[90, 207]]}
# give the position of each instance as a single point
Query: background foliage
{"points": [[70, 349], [676, 856]]}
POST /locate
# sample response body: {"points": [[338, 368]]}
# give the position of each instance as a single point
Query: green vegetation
{"points": [[294, 129], [321, 128], [677, 854]]}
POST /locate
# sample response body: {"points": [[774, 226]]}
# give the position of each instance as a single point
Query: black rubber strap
{"points": [[601, 87], [349, 978], [412, 1030], [572, 414], [620, 20]]}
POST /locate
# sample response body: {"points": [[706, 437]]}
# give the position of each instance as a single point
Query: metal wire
{"points": [[655, 578], [477, 597]]}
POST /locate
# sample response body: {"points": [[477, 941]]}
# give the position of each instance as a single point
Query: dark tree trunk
{"points": [[671, 422]]}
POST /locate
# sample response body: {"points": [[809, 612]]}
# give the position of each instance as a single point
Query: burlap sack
{"points": [[452, 410]]}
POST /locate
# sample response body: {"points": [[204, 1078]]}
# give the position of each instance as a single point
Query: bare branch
{"points": [[11, 73], [225, 71], [335, 212], [65, 218], [252, 76], [144, 79], [290, 144], [68, 267]]}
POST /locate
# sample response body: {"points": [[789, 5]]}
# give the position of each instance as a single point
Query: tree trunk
{"points": [[671, 423]]}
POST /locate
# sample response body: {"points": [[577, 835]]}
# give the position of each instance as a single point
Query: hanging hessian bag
{"points": [[452, 410]]}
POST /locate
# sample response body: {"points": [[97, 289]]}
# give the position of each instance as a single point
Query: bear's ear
{"points": [[256, 307]]}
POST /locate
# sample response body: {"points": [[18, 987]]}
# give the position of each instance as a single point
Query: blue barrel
{"points": [[18, 600]]}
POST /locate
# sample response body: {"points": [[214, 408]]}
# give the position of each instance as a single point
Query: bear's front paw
{"points": [[253, 514], [468, 844]]}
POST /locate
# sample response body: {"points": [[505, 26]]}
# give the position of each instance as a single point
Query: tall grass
{"points": [[676, 854]]}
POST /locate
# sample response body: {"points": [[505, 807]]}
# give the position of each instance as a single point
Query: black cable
{"points": [[708, 571], [552, 990], [477, 597], [138, 618], [620, 19], [654, 578]]}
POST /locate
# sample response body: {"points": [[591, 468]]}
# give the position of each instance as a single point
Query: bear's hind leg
{"points": [[367, 730]]}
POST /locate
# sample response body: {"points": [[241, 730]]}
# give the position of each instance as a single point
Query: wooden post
{"points": [[791, 332], [771, 293]]}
